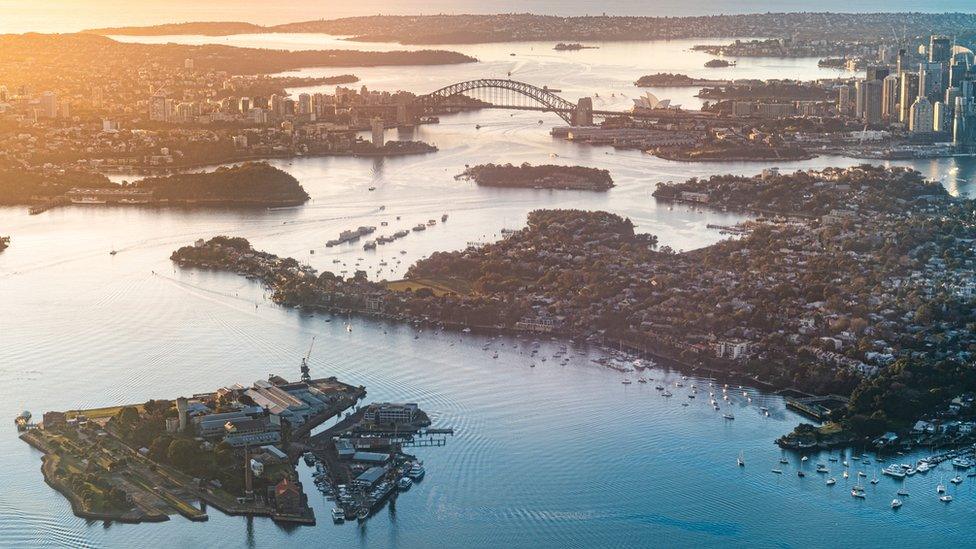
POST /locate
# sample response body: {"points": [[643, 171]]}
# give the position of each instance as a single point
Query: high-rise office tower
{"points": [[930, 82], [889, 96], [907, 95], [877, 73], [843, 99], [921, 116], [940, 49]]}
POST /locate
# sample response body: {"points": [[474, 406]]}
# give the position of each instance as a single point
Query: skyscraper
{"points": [[940, 49], [921, 116], [843, 99], [930, 81], [889, 97], [376, 125], [909, 91]]}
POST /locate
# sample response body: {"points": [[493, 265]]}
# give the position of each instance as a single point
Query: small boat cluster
{"points": [[358, 502], [959, 459]]}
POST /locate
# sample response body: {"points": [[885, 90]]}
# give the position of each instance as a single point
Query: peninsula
{"points": [[539, 177], [844, 278]]}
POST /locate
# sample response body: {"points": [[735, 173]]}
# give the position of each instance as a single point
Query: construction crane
{"points": [[305, 374]]}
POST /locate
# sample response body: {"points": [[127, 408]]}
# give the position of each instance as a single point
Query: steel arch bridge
{"points": [[545, 98]]}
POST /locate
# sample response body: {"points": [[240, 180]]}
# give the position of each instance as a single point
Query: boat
{"points": [[728, 416], [626, 382], [962, 463], [443, 218], [404, 483], [940, 489], [922, 467], [831, 481], [858, 492], [945, 499], [741, 460], [956, 479], [764, 409], [801, 474], [804, 458], [778, 471], [875, 480], [667, 394], [113, 252], [862, 474], [821, 468], [338, 516], [784, 461], [845, 475], [902, 492], [893, 471], [832, 458], [895, 503], [416, 472]]}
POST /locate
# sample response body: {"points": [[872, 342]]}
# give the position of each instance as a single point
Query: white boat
{"points": [[857, 492], [741, 460], [784, 461], [862, 474], [804, 458], [846, 475], [893, 471], [337, 515], [821, 468], [831, 481], [962, 463], [922, 467], [778, 471], [956, 480], [945, 499], [902, 492], [940, 489], [895, 503], [728, 416], [875, 480]]}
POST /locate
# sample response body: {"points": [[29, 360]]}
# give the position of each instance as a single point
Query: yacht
{"points": [[831, 481], [902, 492], [962, 463], [893, 471], [945, 499], [832, 458], [784, 461], [858, 492], [846, 475], [801, 474], [956, 479], [728, 416], [626, 382], [741, 460], [778, 471], [895, 503], [875, 480], [804, 458], [667, 394], [862, 474], [821, 468], [940, 489], [923, 466]]}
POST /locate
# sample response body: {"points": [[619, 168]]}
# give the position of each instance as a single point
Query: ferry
{"points": [[404, 483], [416, 472], [338, 516]]}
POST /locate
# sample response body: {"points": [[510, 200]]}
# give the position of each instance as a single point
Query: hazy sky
{"points": [[71, 15]]}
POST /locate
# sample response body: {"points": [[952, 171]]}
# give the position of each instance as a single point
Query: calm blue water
{"points": [[543, 457]]}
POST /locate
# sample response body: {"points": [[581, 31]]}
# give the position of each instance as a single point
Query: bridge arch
{"points": [[563, 108]]}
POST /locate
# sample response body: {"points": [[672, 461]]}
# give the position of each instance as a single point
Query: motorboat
{"points": [[956, 479], [896, 503], [945, 499], [831, 481], [338, 516]]}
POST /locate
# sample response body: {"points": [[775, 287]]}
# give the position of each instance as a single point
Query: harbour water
{"points": [[542, 457]]}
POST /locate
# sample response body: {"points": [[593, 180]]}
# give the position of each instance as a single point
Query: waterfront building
{"points": [[387, 412], [921, 116], [252, 432], [288, 498]]}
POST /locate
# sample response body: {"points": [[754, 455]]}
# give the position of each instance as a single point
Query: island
{"points": [[248, 184], [547, 176], [234, 449], [669, 80], [575, 46], [850, 280], [718, 63], [721, 150]]}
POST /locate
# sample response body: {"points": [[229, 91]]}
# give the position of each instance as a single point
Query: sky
{"points": [[73, 15]]}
